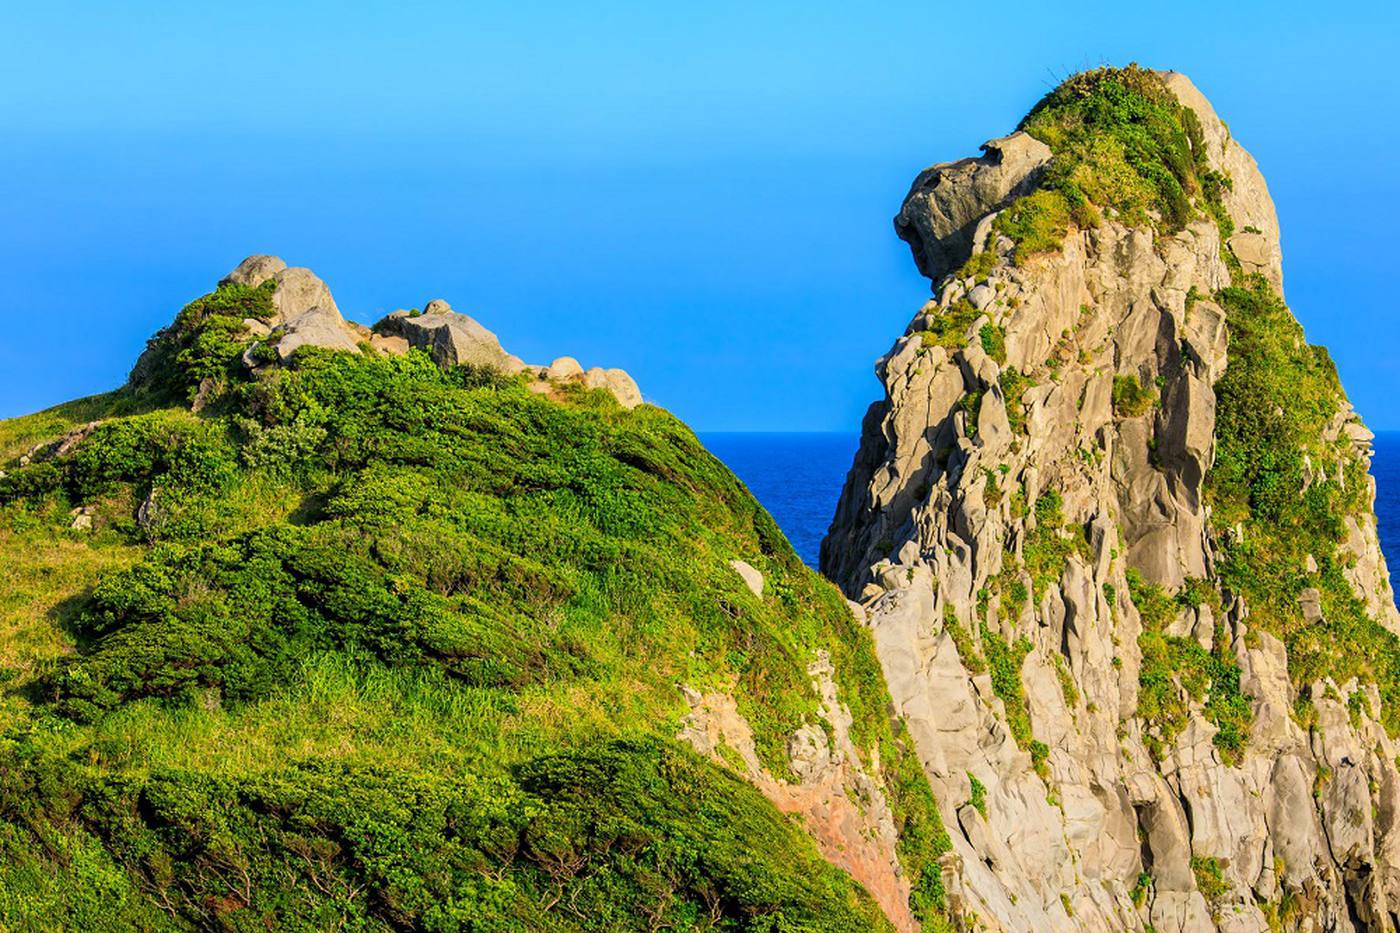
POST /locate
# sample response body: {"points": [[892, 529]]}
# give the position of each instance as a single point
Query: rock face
{"points": [[450, 338], [947, 201], [840, 802], [993, 628], [305, 314]]}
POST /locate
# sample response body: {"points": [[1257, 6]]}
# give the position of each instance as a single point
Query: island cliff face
{"points": [[1111, 529]]}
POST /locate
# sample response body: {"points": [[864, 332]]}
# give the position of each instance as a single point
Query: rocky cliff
{"points": [[1111, 529]]}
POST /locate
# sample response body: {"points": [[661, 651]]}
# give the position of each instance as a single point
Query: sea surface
{"points": [[798, 478]]}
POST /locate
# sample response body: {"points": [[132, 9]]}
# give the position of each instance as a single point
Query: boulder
{"points": [[451, 339], [298, 291], [254, 271], [1253, 252], [752, 578], [314, 328], [389, 344], [616, 381], [624, 388], [940, 214], [565, 367]]}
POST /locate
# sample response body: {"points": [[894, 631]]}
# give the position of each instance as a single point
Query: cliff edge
{"points": [[1112, 529]]}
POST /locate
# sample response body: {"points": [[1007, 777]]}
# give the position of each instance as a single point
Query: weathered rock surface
{"points": [[255, 270], [300, 291], [938, 503], [750, 575], [948, 200], [306, 314], [450, 338], [841, 804]]}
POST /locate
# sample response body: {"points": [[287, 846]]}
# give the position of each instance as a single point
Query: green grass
{"points": [[394, 629], [1274, 401], [1120, 143], [1036, 223], [1013, 389], [979, 265], [1210, 877], [948, 328], [963, 641], [993, 339], [1046, 549], [1004, 661], [979, 794]]}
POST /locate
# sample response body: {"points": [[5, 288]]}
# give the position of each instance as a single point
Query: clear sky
{"points": [[701, 193]]}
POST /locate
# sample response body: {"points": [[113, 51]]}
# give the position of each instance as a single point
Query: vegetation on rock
{"points": [[1290, 491], [1121, 143]]}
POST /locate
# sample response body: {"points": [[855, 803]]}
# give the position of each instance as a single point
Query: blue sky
{"points": [[700, 193]]}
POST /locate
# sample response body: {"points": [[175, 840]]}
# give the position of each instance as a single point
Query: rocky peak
{"points": [[946, 202], [304, 313], [1125, 647]]}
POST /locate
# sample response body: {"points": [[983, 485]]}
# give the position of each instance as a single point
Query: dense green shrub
{"points": [[948, 327], [517, 584], [1005, 660], [1036, 223], [1177, 670], [1120, 141], [979, 265], [1131, 398], [205, 342], [1210, 877], [1046, 548], [621, 835], [1289, 490], [994, 342], [978, 797], [1013, 389]]}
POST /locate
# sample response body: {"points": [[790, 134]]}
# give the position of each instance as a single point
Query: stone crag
{"points": [[1028, 495], [305, 314]]}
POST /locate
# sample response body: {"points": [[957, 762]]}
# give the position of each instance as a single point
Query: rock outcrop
{"points": [[946, 202], [841, 804], [305, 314], [450, 338], [1030, 524]]}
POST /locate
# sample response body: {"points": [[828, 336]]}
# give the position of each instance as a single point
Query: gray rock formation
{"points": [[451, 339], [305, 314], [300, 291], [314, 327], [946, 202], [254, 271], [1085, 828]]}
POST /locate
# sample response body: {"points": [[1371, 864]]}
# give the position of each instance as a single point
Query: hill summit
{"points": [[318, 626]]}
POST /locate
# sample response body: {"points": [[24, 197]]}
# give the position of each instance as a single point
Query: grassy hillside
{"points": [[370, 644]]}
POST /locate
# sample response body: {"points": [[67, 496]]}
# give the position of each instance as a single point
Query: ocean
{"points": [[798, 478]]}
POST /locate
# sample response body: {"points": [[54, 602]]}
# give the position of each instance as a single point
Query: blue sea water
{"points": [[798, 478]]}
